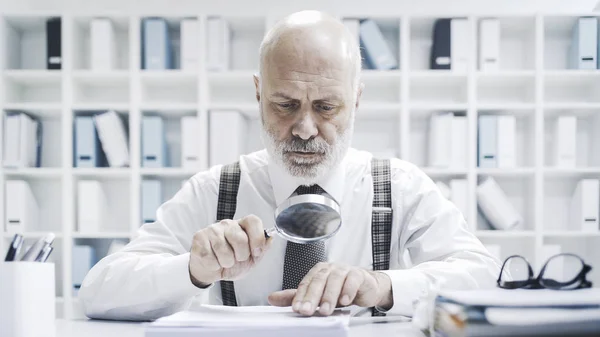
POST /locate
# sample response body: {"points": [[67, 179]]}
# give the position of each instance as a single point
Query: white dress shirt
{"points": [[149, 278]]}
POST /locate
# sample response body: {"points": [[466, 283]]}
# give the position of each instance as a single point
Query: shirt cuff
{"points": [[173, 279], [408, 286]]}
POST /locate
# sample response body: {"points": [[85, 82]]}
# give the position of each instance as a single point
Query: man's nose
{"points": [[306, 125]]}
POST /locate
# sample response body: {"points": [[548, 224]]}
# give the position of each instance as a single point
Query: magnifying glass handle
{"points": [[269, 232]]}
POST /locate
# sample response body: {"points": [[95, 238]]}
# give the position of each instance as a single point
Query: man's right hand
{"points": [[227, 250]]}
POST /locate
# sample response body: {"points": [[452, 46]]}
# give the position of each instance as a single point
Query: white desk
{"points": [[92, 328]]}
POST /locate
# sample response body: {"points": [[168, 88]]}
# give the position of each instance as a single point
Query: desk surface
{"points": [[92, 328]]}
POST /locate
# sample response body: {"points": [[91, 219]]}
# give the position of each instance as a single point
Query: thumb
{"points": [[282, 298]]}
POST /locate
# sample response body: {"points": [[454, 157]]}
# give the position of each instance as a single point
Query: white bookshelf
{"points": [[533, 84]]}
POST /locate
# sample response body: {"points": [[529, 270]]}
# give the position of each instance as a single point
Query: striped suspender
{"points": [[381, 220], [228, 190]]}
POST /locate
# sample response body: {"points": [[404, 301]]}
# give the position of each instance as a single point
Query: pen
{"points": [[35, 250], [14, 248], [45, 254]]}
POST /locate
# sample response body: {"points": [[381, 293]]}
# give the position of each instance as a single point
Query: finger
{"points": [[221, 248], [367, 292], [333, 289], [351, 286], [253, 227], [238, 240], [202, 250], [303, 285], [282, 298], [314, 292]]}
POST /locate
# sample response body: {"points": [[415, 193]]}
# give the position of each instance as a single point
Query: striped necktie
{"points": [[300, 258]]}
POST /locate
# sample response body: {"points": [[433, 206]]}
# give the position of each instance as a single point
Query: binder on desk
{"points": [[487, 140], [377, 51], [489, 44], [156, 44], [92, 206], [87, 143], [151, 199], [218, 49], [459, 45], [22, 209], [190, 142], [53, 44], [154, 145], [227, 130], [102, 45], [440, 50], [190, 44], [583, 52]]}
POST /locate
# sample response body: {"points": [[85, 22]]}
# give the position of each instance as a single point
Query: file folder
{"points": [[102, 45], [154, 145], [113, 138], [487, 142], [459, 45], [22, 211], [506, 140], [377, 51], [92, 206], [151, 199], [565, 153], [489, 45], [84, 258], [440, 50], [440, 139], [583, 52], [227, 133], [584, 208], [190, 44], [218, 44], [156, 44], [53, 44], [190, 142], [87, 144]]}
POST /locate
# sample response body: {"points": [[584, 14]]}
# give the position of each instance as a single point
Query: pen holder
{"points": [[27, 299]]}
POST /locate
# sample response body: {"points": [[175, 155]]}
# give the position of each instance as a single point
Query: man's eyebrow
{"points": [[332, 97], [282, 95]]}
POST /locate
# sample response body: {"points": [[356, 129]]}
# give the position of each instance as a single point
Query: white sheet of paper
{"points": [[536, 316], [525, 297]]}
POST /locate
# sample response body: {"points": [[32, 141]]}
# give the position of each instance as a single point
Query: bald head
{"points": [[311, 41]]}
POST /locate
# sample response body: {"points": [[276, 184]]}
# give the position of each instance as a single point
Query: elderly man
{"points": [[209, 238]]}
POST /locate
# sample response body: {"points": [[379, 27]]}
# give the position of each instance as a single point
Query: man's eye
{"points": [[325, 107], [287, 106]]}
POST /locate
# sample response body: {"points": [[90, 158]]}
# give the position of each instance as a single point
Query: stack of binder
{"points": [[496, 142], [450, 49], [447, 141], [22, 211], [22, 141]]}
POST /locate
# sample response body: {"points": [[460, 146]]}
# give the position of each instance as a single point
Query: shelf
{"points": [[89, 77], [519, 109], [167, 77], [571, 73], [168, 172], [170, 108], [102, 172], [555, 172], [571, 106], [506, 172], [44, 109], [34, 235], [502, 75], [437, 75], [102, 235], [33, 77], [571, 234], [439, 106], [504, 234], [100, 106], [34, 173]]}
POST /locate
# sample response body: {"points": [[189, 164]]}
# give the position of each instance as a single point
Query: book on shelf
{"points": [[506, 141], [565, 138], [54, 43], [22, 210], [22, 140], [92, 206], [190, 44], [487, 142], [113, 138], [218, 51], [584, 207], [83, 259], [156, 45], [583, 51], [190, 140], [378, 53], [489, 45], [226, 134], [459, 45], [103, 46], [87, 150], [496, 207], [440, 50], [154, 144], [151, 199]]}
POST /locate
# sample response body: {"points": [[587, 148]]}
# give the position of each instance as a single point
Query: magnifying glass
{"points": [[307, 218]]}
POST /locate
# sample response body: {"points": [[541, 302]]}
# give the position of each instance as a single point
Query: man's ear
{"points": [[257, 86], [361, 86]]}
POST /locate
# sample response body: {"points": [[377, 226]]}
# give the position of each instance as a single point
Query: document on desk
{"points": [[260, 321]]}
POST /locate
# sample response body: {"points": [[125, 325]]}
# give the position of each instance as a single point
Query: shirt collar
{"points": [[284, 185]]}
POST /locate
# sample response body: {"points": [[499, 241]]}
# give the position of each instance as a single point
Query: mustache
{"points": [[296, 144]]}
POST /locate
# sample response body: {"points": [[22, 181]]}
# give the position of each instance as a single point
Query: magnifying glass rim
{"points": [[307, 198]]}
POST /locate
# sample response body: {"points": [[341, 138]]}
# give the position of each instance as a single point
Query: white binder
{"points": [[218, 40], [584, 206], [92, 206], [583, 52], [459, 142], [227, 133], [489, 45], [102, 45], [151, 199], [20, 141], [22, 211], [440, 139], [506, 141], [113, 137], [487, 142], [459, 45], [190, 44], [496, 206], [190, 142], [565, 136]]}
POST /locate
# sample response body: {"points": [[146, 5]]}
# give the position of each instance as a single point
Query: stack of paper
{"points": [[259, 321]]}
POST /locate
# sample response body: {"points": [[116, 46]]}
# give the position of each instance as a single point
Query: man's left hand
{"points": [[328, 286]]}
